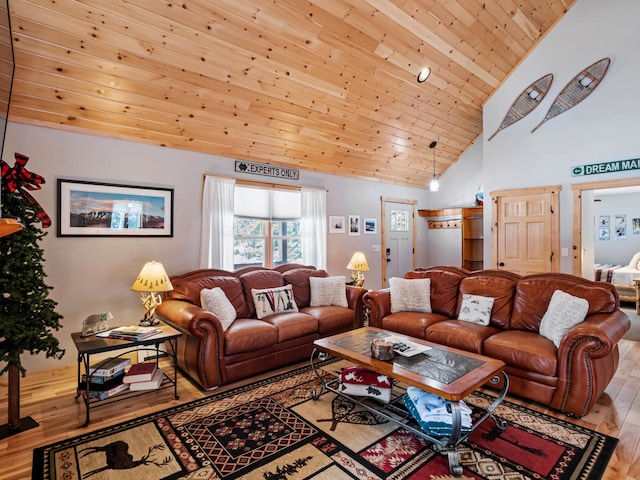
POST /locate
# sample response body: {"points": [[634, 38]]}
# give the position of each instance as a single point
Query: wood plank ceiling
{"points": [[321, 85]]}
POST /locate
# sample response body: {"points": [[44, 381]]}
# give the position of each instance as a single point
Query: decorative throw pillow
{"points": [[564, 311], [273, 300], [634, 261], [327, 291], [215, 300], [476, 309], [410, 295]]}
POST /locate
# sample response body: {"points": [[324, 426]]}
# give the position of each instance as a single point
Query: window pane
{"points": [[285, 228], [399, 221], [248, 227], [248, 252], [286, 251]]}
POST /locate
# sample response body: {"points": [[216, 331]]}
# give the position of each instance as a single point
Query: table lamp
{"points": [[151, 280], [9, 226], [358, 264]]}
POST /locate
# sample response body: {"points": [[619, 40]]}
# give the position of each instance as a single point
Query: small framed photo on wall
{"points": [[354, 224], [336, 224], [370, 226]]}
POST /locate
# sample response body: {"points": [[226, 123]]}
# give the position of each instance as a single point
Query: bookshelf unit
{"points": [[472, 238], [94, 345]]}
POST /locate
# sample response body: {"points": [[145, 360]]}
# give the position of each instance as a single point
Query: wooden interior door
{"points": [[526, 230]]}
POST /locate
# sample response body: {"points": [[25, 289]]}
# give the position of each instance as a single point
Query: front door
{"points": [[526, 230], [398, 238]]}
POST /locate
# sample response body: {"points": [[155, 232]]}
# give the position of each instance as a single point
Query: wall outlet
{"points": [[564, 252]]}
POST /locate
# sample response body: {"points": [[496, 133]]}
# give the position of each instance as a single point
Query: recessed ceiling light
{"points": [[424, 74]]}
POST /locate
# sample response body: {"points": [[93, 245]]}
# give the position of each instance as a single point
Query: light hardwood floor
{"points": [[49, 398]]}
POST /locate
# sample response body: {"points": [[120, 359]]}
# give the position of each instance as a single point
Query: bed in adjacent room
{"points": [[623, 277]]}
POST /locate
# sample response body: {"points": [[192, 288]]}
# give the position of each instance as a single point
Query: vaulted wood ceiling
{"points": [[324, 85]]}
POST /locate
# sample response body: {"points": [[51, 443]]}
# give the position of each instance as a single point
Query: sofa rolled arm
{"points": [[201, 343], [379, 304], [587, 360], [605, 328]]}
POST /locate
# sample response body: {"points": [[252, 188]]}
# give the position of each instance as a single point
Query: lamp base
{"points": [[357, 278], [26, 423], [149, 322]]}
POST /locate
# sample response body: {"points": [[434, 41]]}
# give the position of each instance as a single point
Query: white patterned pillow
{"points": [[215, 300], [564, 311], [273, 300], [327, 291], [635, 260], [410, 295], [476, 309]]}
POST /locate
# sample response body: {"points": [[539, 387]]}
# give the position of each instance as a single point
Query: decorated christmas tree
{"points": [[27, 314]]}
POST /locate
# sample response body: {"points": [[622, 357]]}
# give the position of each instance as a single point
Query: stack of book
{"points": [[104, 379], [131, 332], [143, 376]]}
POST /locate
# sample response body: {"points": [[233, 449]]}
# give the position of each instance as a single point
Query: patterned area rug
{"points": [[274, 430]]}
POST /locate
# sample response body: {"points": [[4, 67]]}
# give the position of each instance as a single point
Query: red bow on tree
{"points": [[18, 178]]}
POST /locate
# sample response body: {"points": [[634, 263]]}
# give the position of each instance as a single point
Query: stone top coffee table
{"points": [[447, 372]]}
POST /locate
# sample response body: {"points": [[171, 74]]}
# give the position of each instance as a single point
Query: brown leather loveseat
{"points": [[212, 355], [569, 377]]}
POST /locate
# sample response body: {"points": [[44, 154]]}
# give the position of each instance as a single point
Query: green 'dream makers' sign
{"points": [[606, 167]]}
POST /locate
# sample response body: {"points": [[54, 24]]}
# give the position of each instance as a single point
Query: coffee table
{"points": [[447, 372]]}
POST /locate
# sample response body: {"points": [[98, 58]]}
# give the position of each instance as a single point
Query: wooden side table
{"points": [[93, 345], [636, 284]]}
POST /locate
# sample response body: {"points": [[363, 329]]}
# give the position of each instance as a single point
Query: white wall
{"points": [[94, 274], [458, 187], [461, 181], [600, 129]]}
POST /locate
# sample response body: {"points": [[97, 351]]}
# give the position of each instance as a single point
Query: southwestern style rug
{"points": [[274, 430]]}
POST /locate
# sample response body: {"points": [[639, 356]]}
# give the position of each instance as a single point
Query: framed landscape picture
{"points": [[108, 209]]}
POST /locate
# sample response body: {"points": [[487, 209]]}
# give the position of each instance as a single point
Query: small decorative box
{"points": [[361, 382]]}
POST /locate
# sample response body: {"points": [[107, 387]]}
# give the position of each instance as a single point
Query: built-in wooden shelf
{"points": [[443, 212], [472, 238], [470, 221]]}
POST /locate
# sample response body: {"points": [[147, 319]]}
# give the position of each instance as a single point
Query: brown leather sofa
{"points": [[212, 356], [569, 378]]}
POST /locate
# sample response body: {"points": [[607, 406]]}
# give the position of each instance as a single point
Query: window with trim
{"points": [[266, 227]]}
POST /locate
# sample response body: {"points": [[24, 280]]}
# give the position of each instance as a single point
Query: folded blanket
{"points": [[360, 381], [433, 413]]}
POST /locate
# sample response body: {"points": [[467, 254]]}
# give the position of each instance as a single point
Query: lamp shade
{"points": [[152, 278], [9, 226], [434, 185], [358, 262]]}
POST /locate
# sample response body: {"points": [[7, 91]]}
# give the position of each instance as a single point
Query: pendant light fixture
{"points": [[434, 185]]}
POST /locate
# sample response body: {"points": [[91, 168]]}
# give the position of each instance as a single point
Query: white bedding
{"points": [[625, 275]]}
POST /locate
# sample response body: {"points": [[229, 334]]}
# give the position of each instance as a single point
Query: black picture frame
{"points": [[97, 209]]}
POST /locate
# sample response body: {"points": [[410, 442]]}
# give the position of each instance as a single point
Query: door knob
{"points": [[501, 264]]}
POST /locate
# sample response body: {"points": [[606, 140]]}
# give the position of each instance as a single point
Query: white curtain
{"points": [[314, 227], [216, 249]]}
